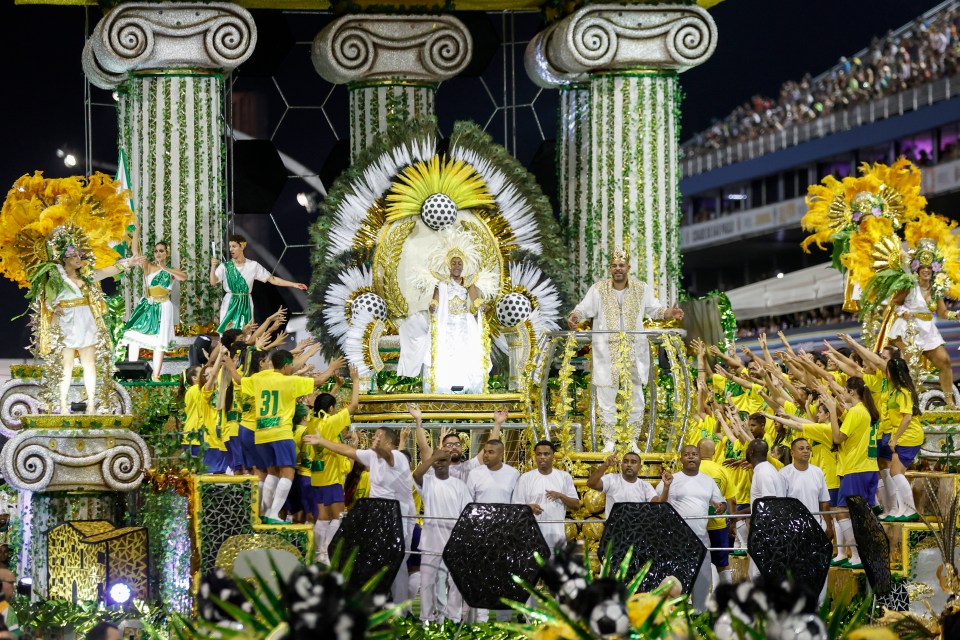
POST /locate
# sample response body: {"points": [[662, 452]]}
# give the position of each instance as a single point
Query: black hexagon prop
{"points": [[786, 540], [373, 527], [872, 543], [489, 544], [656, 532], [258, 176]]}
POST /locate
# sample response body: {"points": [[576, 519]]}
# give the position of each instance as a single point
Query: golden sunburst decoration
{"points": [[442, 184], [837, 207], [875, 248]]}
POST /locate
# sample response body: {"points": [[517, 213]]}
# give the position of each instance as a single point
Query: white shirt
{"points": [[691, 497], [809, 487], [619, 490], [390, 481], [767, 483], [492, 487], [250, 270], [532, 489], [445, 499]]}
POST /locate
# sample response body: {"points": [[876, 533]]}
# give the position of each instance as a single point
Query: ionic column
{"points": [[632, 55], [167, 62], [574, 177], [391, 65]]}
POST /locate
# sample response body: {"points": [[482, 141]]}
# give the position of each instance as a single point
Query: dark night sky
{"points": [[761, 44]]}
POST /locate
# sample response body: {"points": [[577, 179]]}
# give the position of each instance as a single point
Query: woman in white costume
{"points": [[914, 312], [151, 324], [78, 313], [237, 276]]}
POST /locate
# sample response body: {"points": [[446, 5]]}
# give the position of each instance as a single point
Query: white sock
{"points": [[266, 495], [319, 535], [846, 525], [332, 527], [279, 498], [886, 490], [841, 539], [904, 495], [726, 576]]}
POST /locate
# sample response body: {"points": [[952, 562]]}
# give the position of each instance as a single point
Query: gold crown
{"points": [[456, 252], [621, 254]]}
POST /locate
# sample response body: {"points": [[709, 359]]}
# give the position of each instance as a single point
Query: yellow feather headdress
{"points": [[454, 180]]}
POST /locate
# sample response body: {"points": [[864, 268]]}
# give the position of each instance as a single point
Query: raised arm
{"points": [[118, 267], [499, 417], [595, 481], [426, 451], [354, 404], [335, 366], [214, 280], [869, 357], [426, 463], [337, 447]]}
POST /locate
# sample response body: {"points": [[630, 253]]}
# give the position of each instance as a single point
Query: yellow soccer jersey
{"points": [[900, 404], [192, 424], [721, 477], [858, 453], [211, 421], [328, 467], [275, 398], [697, 430], [229, 417], [304, 451], [820, 436], [880, 389]]}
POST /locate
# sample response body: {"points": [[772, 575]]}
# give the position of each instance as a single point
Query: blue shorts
{"points": [[308, 496], [863, 484], [193, 450], [834, 496], [329, 494], [251, 459], [215, 461], [719, 538], [282, 453], [906, 454], [235, 453]]}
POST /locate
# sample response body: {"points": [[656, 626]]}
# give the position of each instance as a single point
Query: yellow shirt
{"points": [[900, 404], [275, 398], [211, 421], [820, 436], [880, 388], [721, 477], [304, 451], [749, 400], [697, 430], [858, 453], [229, 417], [248, 416], [329, 468], [192, 425], [363, 488]]}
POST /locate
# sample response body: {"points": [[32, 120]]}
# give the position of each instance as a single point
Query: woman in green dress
{"points": [[151, 324]]}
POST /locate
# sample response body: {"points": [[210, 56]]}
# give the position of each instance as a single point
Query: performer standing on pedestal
{"points": [[151, 324], [615, 305], [237, 275], [78, 311]]}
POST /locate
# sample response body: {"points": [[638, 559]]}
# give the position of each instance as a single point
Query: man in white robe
{"points": [[619, 304]]}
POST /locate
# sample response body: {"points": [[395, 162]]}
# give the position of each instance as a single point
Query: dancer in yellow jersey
{"points": [[275, 394], [902, 445], [329, 468], [192, 437]]}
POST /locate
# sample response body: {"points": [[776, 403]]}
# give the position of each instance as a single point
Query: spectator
{"points": [[104, 631]]}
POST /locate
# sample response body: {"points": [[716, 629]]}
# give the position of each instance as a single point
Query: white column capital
{"points": [[168, 35], [540, 68], [612, 37], [362, 48]]}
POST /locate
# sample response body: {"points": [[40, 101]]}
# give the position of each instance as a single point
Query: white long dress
{"points": [[458, 343]]}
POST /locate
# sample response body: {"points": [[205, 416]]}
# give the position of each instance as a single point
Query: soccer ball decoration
{"points": [[804, 626], [217, 584], [610, 618], [513, 308], [438, 211], [371, 303]]}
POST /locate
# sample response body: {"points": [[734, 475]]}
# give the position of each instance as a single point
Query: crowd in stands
{"points": [[929, 50], [828, 315]]}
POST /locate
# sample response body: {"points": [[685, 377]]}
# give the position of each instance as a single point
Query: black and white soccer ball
{"points": [[513, 308], [571, 588], [438, 211], [804, 626], [217, 584], [610, 618], [370, 303]]}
